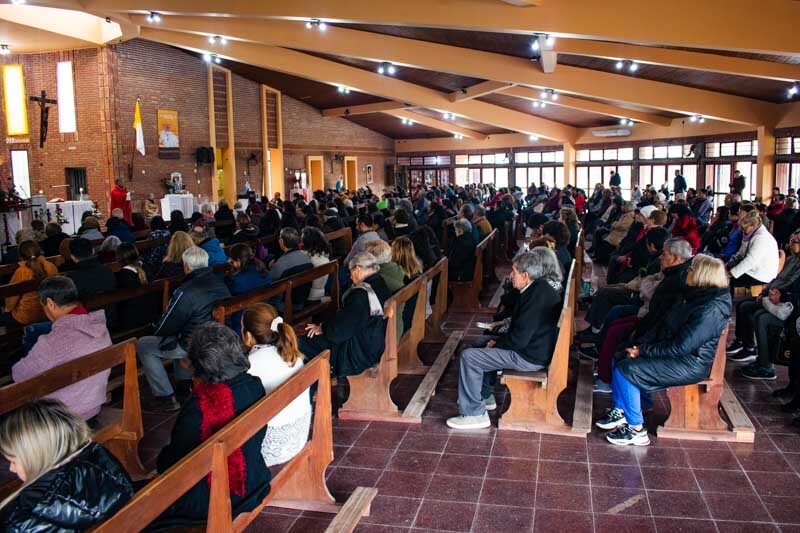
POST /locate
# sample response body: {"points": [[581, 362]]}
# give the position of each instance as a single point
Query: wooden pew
{"points": [[284, 288], [534, 395], [300, 484], [162, 287], [433, 326], [345, 233], [370, 397], [122, 435], [695, 413], [466, 293]]}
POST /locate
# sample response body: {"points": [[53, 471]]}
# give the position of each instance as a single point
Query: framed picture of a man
{"points": [[168, 134]]}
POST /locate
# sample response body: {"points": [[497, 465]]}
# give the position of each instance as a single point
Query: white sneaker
{"points": [[490, 402], [469, 422]]}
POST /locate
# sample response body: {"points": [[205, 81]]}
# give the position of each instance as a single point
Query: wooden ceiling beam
{"points": [[364, 109], [478, 90], [478, 64], [333, 73], [441, 125], [564, 100], [738, 66], [762, 26]]}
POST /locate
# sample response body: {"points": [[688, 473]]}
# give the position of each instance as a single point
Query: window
{"points": [[783, 145], [20, 172], [549, 176], [487, 159], [443, 160], [595, 177], [474, 159], [416, 161], [462, 159], [646, 152], [462, 176], [727, 149], [534, 176], [501, 159], [521, 177], [521, 158], [610, 154], [560, 177], [712, 150], [560, 156], [660, 152], [625, 154], [596, 155], [744, 148], [487, 175], [474, 175], [548, 157], [501, 177], [535, 157], [403, 161], [675, 151], [582, 155], [797, 145], [431, 160]]}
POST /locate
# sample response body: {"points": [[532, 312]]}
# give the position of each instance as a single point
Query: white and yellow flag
{"points": [[137, 125]]}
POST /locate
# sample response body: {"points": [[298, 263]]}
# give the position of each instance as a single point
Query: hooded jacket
{"points": [[681, 350], [76, 496], [216, 255], [686, 227], [72, 336]]}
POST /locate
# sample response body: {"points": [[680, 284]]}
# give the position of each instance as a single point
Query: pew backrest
{"points": [[211, 457], [345, 233]]}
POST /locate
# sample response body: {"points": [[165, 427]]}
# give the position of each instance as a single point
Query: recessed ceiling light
{"points": [[634, 66], [152, 17], [620, 65]]}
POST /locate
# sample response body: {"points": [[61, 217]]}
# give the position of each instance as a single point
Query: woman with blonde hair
{"points": [[173, 260], [679, 352], [274, 358], [404, 255], [25, 308], [69, 482]]}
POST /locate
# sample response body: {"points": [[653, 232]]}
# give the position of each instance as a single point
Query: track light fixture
{"points": [[536, 43], [316, 23], [533, 137], [17, 2], [549, 40], [697, 118], [625, 122], [207, 58], [154, 17], [214, 39], [5, 49], [407, 121], [792, 91], [458, 136], [620, 65], [386, 68], [634, 66], [448, 116], [343, 90]]}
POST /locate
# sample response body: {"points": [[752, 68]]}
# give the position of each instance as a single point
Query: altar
{"points": [[185, 203], [72, 211]]}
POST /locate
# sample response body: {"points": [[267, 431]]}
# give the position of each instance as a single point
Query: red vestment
{"points": [[119, 200]]}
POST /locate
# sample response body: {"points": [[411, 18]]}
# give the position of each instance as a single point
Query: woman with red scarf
{"points": [[685, 225], [222, 390]]}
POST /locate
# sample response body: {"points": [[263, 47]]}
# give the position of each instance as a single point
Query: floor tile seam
{"points": [[758, 495], [536, 485], [591, 496]]}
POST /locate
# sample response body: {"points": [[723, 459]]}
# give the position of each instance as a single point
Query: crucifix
{"points": [[43, 100]]}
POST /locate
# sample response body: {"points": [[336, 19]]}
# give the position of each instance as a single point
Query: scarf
{"points": [[375, 307], [216, 410]]}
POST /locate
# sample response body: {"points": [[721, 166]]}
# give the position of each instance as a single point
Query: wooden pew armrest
{"points": [[539, 375]]}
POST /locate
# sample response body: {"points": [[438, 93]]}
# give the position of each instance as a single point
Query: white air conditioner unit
{"points": [[616, 132]]}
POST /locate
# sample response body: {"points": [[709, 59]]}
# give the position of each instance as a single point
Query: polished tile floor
{"points": [[431, 478]]}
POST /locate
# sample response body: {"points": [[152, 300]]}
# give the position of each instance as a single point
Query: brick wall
{"points": [[108, 81], [85, 149], [307, 132], [163, 78]]}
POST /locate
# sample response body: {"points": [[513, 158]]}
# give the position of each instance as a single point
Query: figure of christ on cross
{"points": [[43, 100]]}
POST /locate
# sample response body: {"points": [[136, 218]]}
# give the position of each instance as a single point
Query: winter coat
{"points": [[216, 254], [190, 306], [757, 256], [72, 336], [50, 244], [92, 278], [686, 228], [246, 234], [783, 224], [392, 276], [247, 280], [534, 324], [192, 507], [358, 338], [76, 496], [668, 294], [26, 308], [716, 237], [681, 350], [461, 261], [139, 311], [788, 275], [619, 229], [121, 229]]}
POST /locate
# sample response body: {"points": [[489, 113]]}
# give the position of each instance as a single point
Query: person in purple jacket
{"points": [[75, 333]]}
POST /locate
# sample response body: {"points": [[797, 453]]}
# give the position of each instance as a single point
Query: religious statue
{"points": [[43, 100]]}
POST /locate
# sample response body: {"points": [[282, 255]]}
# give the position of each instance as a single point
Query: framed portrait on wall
{"points": [[368, 172], [168, 134]]}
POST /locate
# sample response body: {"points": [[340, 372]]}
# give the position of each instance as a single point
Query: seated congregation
{"points": [[654, 323]]}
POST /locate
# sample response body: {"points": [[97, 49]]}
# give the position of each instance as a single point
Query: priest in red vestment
{"points": [[119, 200]]}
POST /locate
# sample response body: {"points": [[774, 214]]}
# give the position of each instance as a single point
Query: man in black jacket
{"points": [[90, 276], [526, 346], [191, 305]]}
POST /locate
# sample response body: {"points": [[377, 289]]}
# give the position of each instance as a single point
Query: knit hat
{"points": [[647, 210]]}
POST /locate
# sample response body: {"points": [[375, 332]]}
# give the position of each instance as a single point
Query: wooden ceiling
{"points": [[437, 63]]}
